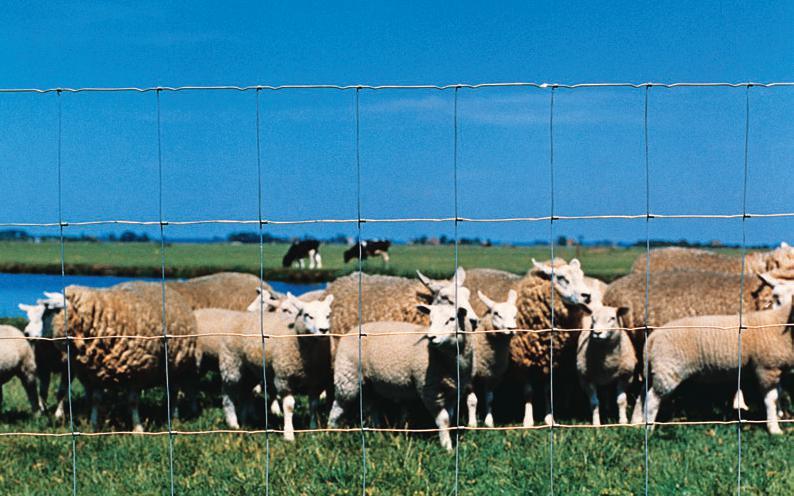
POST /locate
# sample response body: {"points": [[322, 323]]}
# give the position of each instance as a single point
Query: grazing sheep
{"points": [[403, 367], [605, 355], [706, 349], [530, 351], [297, 365], [17, 359], [231, 290], [491, 353], [676, 258], [389, 298], [131, 309]]}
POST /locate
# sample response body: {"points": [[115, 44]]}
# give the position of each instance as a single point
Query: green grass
{"points": [[187, 260], [683, 460]]}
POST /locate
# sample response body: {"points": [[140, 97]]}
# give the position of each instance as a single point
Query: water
{"points": [[27, 288]]}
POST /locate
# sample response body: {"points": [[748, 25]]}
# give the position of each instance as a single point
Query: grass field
{"points": [[683, 460], [187, 260]]}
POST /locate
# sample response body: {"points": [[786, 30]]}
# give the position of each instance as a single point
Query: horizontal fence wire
{"points": [[375, 335], [357, 87], [395, 220], [403, 430]]}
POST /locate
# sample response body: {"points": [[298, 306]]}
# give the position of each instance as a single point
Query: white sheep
{"points": [[403, 362], [491, 353], [298, 357], [17, 359], [604, 356], [707, 348]]}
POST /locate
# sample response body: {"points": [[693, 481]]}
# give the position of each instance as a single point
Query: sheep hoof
{"points": [[549, 419], [138, 429], [776, 431], [529, 422], [489, 420], [289, 436]]}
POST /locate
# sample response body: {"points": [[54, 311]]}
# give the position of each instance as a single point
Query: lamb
{"points": [[706, 348], [405, 367], [17, 359], [231, 290], [491, 353], [131, 309], [297, 365], [530, 351], [605, 355], [48, 358], [392, 298]]}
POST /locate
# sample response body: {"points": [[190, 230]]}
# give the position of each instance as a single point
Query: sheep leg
{"points": [[471, 403], [229, 411], [44, 384], [96, 399], [770, 401], [652, 403], [442, 421], [134, 398], [489, 408], [738, 401], [337, 412], [622, 401], [592, 394], [314, 406], [529, 417], [549, 418], [60, 395], [27, 374], [275, 408], [288, 406]]}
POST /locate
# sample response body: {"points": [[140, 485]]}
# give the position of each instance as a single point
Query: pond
{"points": [[27, 288]]}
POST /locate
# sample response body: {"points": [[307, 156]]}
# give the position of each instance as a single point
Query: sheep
{"points": [[491, 353], [231, 290], [400, 365], [676, 258], [17, 359], [297, 365], [131, 309], [48, 358], [605, 355], [706, 348], [530, 351], [392, 298]]}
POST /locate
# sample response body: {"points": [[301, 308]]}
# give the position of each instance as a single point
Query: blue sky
{"points": [[308, 156]]}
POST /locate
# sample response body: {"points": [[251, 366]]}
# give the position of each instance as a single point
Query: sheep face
{"points": [[606, 322], [452, 292], [568, 279], [35, 325], [444, 324], [312, 317], [503, 314]]}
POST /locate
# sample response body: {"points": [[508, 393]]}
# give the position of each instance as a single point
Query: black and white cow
{"points": [[307, 248], [369, 248]]}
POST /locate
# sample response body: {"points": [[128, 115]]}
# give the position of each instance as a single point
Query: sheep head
{"points": [[447, 325], [503, 314], [568, 279], [311, 317]]}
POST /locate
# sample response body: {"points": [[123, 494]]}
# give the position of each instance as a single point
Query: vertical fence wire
{"points": [[455, 276], [162, 286], [360, 297], [645, 379], [741, 285], [63, 289], [551, 284], [262, 292]]}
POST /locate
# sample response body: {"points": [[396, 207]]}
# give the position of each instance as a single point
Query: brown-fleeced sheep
{"points": [[230, 290]]}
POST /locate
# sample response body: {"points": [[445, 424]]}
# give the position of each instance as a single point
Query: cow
{"points": [[369, 248], [307, 248]]}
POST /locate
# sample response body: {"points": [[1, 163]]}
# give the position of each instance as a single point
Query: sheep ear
{"points": [[623, 311], [294, 301], [624, 317], [429, 283], [768, 279], [460, 276], [784, 245], [575, 264], [512, 296], [53, 295], [487, 301], [542, 268], [328, 299], [25, 308], [424, 309]]}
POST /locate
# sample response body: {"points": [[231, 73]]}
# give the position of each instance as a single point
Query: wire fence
{"points": [[360, 222]]}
